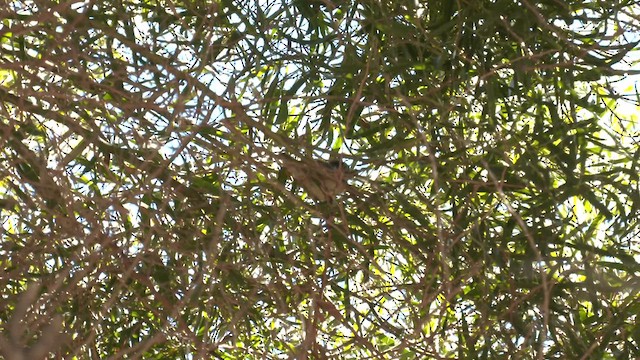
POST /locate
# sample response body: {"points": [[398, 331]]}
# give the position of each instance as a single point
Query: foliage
{"points": [[492, 212]]}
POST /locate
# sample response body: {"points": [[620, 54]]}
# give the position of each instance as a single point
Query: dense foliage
{"points": [[492, 207]]}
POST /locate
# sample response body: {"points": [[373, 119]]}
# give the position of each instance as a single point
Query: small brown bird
{"points": [[322, 180]]}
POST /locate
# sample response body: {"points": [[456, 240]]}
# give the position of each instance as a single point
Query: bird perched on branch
{"points": [[322, 180]]}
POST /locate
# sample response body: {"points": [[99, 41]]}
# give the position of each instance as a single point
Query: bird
{"points": [[322, 180]]}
